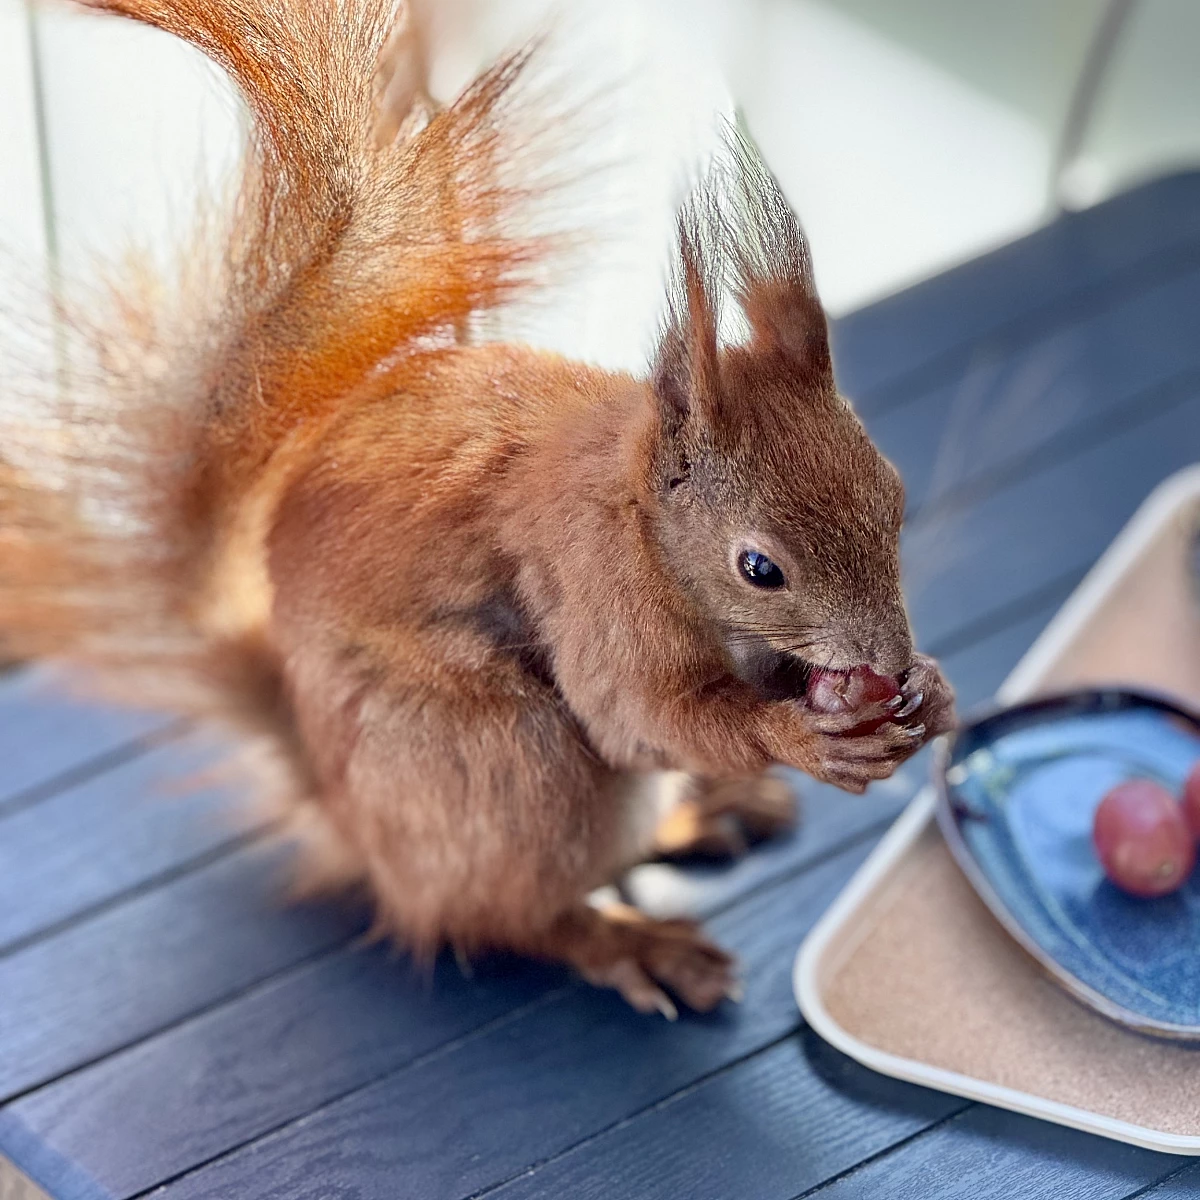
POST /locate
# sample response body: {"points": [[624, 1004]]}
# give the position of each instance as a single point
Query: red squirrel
{"points": [[471, 594]]}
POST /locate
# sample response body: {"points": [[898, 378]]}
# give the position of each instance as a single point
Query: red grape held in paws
{"points": [[846, 691]]}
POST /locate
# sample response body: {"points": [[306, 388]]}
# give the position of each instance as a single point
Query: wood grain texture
{"points": [[538, 1084], [151, 961], [1183, 1184], [319, 1032], [796, 1114], [287, 1047], [987, 1154], [116, 831]]}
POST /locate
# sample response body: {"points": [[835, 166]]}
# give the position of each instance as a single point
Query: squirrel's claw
{"points": [[928, 690]]}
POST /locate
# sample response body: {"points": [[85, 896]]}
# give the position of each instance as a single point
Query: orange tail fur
{"points": [[365, 222]]}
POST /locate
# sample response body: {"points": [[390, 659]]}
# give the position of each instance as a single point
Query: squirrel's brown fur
{"points": [[471, 593]]}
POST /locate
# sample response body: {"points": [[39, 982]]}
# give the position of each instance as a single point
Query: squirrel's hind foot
{"points": [[648, 961]]}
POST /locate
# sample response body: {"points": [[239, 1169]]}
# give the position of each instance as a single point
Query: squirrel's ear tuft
{"points": [[738, 236], [770, 263], [686, 373]]}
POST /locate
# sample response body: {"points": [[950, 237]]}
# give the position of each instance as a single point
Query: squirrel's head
{"points": [[769, 501]]}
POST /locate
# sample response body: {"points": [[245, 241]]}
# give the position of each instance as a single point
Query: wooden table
{"points": [[166, 1028]]}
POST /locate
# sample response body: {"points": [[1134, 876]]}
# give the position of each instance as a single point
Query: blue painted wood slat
{"points": [[116, 831], [1006, 405], [785, 1147], [46, 736], [1183, 1184], [988, 1154], [532, 1086], [892, 350], [113, 980], [796, 1114], [973, 560], [315, 1033]]}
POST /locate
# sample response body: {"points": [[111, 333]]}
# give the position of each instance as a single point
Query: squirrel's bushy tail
{"points": [[365, 222]]}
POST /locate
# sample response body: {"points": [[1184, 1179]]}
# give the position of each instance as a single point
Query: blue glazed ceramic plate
{"points": [[1018, 790]]}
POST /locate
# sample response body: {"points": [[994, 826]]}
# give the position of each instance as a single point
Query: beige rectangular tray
{"points": [[911, 975]]}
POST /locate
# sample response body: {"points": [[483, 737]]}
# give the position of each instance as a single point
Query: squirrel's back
{"points": [[366, 223]]}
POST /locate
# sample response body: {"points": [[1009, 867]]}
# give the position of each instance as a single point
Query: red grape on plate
{"points": [[1142, 839], [1191, 801]]}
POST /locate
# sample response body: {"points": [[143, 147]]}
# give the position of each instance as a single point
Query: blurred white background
{"points": [[909, 134]]}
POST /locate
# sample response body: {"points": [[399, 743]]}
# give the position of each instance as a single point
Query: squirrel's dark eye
{"points": [[759, 569]]}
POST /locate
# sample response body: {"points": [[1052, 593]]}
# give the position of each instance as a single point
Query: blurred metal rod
{"points": [[1112, 24]]}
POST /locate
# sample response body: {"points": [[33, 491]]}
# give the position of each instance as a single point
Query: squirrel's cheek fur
{"points": [[467, 596]]}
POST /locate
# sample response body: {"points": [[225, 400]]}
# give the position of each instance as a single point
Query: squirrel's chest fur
{"points": [[404, 519]]}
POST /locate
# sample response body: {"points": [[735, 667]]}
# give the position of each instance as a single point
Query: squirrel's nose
{"points": [[886, 652]]}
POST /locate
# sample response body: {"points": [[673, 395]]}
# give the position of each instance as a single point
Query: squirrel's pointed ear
{"points": [[772, 268], [686, 374]]}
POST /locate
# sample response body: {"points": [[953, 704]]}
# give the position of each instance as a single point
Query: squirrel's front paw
{"points": [[928, 697], [852, 760], [849, 748], [854, 748]]}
